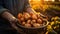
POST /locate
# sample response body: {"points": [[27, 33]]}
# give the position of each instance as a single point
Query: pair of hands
{"points": [[13, 20]]}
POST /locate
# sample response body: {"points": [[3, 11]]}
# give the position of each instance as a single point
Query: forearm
{"points": [[8, 16], [4, 13]]}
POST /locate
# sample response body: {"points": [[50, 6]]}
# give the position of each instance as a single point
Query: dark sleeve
{"points": [[27, 4], [2, 9]]}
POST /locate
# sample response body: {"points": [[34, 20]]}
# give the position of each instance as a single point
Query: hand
{"points": [[14, 20], [13, 24], [30, 10], [8, 16]]}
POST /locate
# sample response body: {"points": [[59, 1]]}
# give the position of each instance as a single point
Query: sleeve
{"points": [[27, 4], [2, 9]]}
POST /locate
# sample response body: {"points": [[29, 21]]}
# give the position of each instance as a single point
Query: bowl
{"points": [[33, 30]]}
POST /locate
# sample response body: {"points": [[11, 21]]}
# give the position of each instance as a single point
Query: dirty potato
{"points": [[39, 21], [27, 25]]}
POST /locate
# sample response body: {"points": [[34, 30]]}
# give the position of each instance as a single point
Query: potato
{"points": [[36, 25], [27, 25], [38, 16], [31, 14], [31, 22], [23, 23], [19, 15], [39, 21], [26, 16], [34, 21], [28, 21], [22, 19], [34, 17]]}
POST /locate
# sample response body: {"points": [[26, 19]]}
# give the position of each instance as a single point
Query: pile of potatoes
{"points": [[30, 20]]}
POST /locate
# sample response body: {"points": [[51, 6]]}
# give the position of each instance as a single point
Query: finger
{"points": [[19, 30]]}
